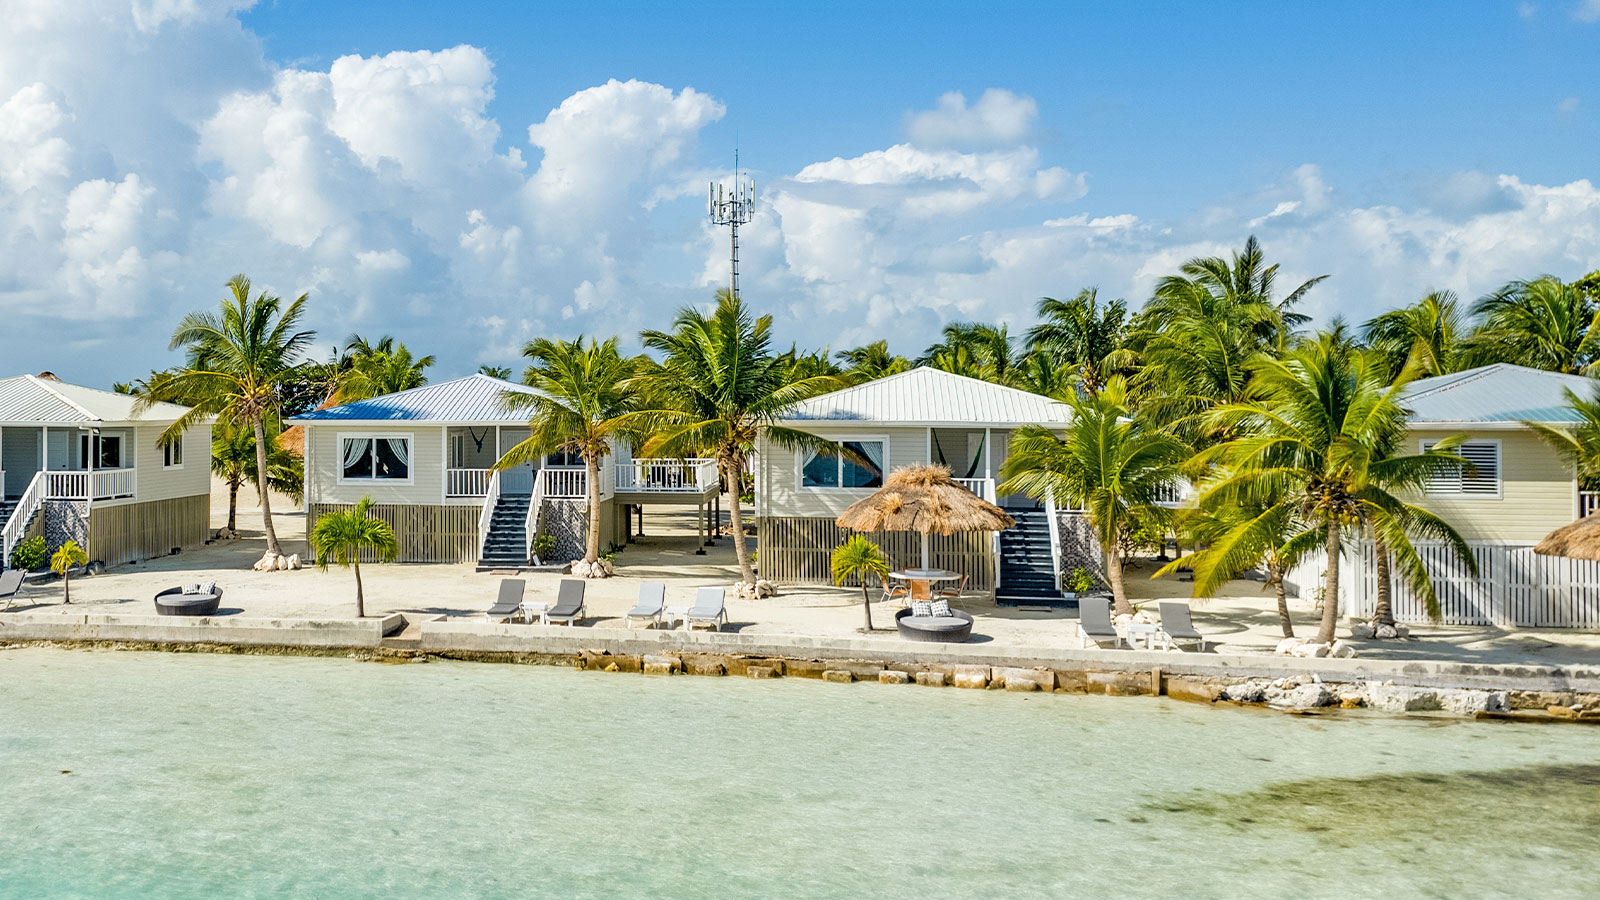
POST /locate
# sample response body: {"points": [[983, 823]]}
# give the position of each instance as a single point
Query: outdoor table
{"points": [[1151, 634], [671, 613], [531, 608], [922, 580]]}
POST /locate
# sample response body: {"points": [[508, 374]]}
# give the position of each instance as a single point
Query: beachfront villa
{"points": [[917, 417], [427, 458], [82, 464]]}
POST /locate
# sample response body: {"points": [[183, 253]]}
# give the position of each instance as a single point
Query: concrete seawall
{"points": [[1191, 675]]}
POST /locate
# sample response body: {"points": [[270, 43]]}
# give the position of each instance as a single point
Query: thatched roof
{"points": [[927, 500], [1580, 540]]}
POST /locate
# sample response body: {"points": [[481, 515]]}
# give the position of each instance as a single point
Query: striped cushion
{"points": [[921, 608], [940, 608]]}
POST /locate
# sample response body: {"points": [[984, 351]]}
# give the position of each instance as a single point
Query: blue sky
{"points": [[379, 156]]}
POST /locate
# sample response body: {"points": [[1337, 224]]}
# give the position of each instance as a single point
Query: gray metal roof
{"points": [[29, 399], [1496, 393], [475, 398], [925, 396]]}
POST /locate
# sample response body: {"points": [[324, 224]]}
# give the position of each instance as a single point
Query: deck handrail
{"points": [[1588, 503], [530, 524], [31, 500], [467, 482], [983, 487], [114, 483], [491, 499], [665, 475], [1055, 539], [564, 483]]}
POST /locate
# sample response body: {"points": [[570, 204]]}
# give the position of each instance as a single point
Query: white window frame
{"points": [[1424, 444], [166, 454], [800, 463], [411, 450]]}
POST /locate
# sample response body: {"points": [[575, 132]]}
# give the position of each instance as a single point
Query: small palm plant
{"points": [[62, 562], [341, 537], [860, 557]]}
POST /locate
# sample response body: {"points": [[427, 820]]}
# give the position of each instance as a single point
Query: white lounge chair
{"points": [[708, 609], [648, 608]]}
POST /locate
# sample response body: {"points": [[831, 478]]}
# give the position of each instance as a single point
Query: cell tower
{"points": [[732, 207]]}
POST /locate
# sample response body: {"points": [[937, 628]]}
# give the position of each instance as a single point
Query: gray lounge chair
{"points": [[1176, 623], [11, 584], [1094, 622], [708, 609], [509, 602], [652, 598], [569, 603]]}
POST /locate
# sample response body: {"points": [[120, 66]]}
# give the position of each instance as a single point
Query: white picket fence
{"points": [[1514, 586]]}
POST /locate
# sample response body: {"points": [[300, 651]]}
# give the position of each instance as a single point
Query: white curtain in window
{"points": [[873, 450], [399, 447], [353, 448]]}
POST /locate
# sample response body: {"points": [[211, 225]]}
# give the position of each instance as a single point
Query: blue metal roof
{"points": [[1496, 393], [475, 398]]}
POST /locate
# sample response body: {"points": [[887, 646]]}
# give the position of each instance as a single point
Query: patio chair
{"points": [[895, 590], [709, 609], [652, 598], [11, 585], [569, 603], [509, 603], [1176, 623], [1094, 622], [952, 591]]}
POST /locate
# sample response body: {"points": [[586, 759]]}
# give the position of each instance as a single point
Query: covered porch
{"points": [[65, 463]]}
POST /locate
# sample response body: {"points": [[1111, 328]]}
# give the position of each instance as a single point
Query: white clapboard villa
{"points": [[921, 416], [82, 464], [1517, 491], [426, 457]]}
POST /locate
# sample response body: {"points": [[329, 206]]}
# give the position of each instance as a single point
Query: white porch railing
{"points": [[564, 484], [66, 485], [491, 498], [109, 484], [1174, 494], [983, 487], [32, 499], [666, 476], [1055, 539], [1588, 502], [467, 482], [530, 525], [112, 483]]}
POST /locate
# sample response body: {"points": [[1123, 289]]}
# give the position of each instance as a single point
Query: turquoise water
{"points": [[188, 776]]}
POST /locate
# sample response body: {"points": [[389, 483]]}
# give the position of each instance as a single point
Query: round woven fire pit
{"points": [[955, 628], [174, 602]]}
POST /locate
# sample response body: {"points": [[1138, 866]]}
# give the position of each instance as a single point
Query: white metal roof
{"points": [[473, 399], [1498, 394], [925, 396], [31, 400]]}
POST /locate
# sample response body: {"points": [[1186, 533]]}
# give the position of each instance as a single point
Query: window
{"points": [[172, 454], [862, 469], [376, 458], [1480, 479], [107, 452], [564, 459]]}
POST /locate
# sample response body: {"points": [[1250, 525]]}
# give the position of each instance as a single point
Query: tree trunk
{"points": [[591, 541], [866, 603], [733, 471], [66, 588], [361, 600], [1383, 613], [1275, 575], [1330, 588], [1119, 596], [233, 504], [273, 547]]}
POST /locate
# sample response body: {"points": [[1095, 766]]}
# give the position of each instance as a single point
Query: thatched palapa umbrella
{"points": [[927, 500], [1580, 540]]}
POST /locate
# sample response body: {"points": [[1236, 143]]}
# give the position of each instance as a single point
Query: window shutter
{"points": [[1483, 477]]}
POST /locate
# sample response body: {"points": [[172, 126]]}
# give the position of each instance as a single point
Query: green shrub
{"points": [[544, 546], [1079, 581], [30, 554]]}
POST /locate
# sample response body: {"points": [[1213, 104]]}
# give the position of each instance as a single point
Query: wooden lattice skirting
{"points": [[795, 550], [441, 534], [137, 531]]}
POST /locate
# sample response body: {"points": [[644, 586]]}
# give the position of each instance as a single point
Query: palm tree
{"points": [[871, 362], [1543, 324], [717, 388], [501, 372], [373, 370], [341, 537], [1240, 290], [233, 459], [1110, 465], [238, 359], [69, 554], [810, 363], [1081, 335], [582, 391], [858, 558], [1427, 334], [1579, 443], [1236, 537], [974, 349], [1323, 436]]}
